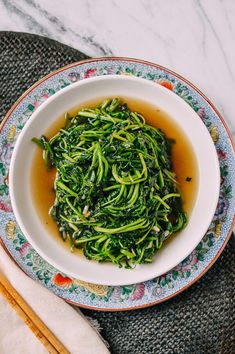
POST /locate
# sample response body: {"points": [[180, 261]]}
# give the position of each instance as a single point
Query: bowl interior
{"points": [[172, 252]]}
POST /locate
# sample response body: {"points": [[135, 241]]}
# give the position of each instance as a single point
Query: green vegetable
{"points": [[115, 192]]}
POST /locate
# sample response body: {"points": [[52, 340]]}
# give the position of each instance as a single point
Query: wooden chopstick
{"points": [[40, 330]]}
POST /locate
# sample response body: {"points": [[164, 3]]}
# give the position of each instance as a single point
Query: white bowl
{"points": [[172, 252]]}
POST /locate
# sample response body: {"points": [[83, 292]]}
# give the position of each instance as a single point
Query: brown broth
{"points": [[184, 161]]}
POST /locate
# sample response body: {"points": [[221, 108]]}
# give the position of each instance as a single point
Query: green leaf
{"points": [[4, 190], [30, 107], [200, 257], [178, 85], [163, 282], [210, 243], [2, 169], [224, 170], [203, 250], [92, 296], [46, 280], [175, 274], [150, 76], [228, 191], [199, 246], [21, 237], [127, 290]]}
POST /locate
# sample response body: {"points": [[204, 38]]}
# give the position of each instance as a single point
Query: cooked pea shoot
{"points": [[115, 192]]}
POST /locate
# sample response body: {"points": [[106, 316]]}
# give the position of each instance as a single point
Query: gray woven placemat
{"points": [[202, 319]]}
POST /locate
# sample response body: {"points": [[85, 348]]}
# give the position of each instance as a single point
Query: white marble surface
{"points": [[195, 38]]}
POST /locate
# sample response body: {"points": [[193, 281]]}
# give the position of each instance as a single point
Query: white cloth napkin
{"points": [[68, 325]]}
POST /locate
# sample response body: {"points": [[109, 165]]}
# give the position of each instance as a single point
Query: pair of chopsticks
{"points": [[40, 330]]}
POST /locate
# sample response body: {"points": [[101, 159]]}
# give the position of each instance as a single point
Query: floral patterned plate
{"points": [[137, 295]]}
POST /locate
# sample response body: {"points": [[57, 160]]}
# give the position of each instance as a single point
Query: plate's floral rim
{"points": [[137, 295]]}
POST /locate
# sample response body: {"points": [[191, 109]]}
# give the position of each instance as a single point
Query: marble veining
{"points": [[192, 37]]}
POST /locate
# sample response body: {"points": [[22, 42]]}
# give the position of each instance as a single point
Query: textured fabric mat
{"points": [[202, 319]]}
